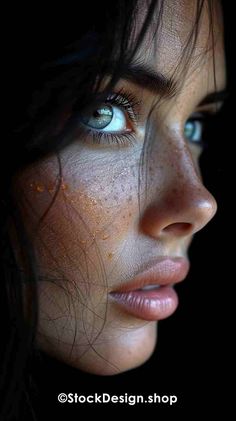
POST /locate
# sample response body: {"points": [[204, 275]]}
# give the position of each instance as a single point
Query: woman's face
{"points": [[97, 237]]}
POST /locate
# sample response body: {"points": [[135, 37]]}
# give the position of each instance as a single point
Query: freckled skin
{"points": [[94, 236]]}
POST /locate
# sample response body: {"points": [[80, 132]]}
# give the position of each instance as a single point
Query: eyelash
{"points": [[131, 105]]}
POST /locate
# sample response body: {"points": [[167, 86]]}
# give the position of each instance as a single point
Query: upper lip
{"points": [[163, 270]]}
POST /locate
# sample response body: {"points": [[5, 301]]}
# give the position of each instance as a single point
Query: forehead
{"points": [[182, 30]]}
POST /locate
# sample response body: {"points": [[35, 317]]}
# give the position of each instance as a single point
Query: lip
{"points": [[157, 303]]}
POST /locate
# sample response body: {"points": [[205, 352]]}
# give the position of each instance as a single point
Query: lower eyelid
{"points": [[94, 137]]}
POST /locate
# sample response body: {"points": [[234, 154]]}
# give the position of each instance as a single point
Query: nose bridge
{"points": [[182, 173], [179, 156], [177, 169]]}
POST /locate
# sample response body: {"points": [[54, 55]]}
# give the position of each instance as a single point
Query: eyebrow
{"points": [[149, 79], [214, 97], [159, 84]]}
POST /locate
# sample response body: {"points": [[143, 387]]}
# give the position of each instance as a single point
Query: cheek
{"points": [[89, 220]]}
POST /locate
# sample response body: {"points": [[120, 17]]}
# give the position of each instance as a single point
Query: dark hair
{"points": [[55, 71]]}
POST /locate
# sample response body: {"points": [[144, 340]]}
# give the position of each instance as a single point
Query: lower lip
{"points": [[154, 304]]}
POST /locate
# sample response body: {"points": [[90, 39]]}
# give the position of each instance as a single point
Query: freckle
{"points": [[64, 186], [130, 214], [123, 216], [105, 237], [110, 255], [94, 234], [39, 188]]}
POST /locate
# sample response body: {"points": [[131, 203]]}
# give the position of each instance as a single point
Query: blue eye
{"points": [[107, 117], [112, 121], [193, 130]]}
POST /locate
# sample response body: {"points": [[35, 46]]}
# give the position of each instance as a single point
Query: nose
{"points": [[181, 207]]}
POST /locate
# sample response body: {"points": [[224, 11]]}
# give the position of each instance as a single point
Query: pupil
{"points": [[99, 118], [96, 114]]}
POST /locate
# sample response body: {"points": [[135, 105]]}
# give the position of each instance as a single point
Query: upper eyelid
{"points": [[211, 109], [132, 101], [198, 116], [203, 114]]}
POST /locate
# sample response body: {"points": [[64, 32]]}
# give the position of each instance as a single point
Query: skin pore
{"points": [[95, 237]]}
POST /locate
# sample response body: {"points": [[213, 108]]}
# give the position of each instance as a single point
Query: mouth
{"points": [[150, 295]]}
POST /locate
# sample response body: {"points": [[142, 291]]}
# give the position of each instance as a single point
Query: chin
{"points": [[124, 351]]}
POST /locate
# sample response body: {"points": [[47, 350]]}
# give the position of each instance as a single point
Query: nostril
{"points": [[179, 228]]}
